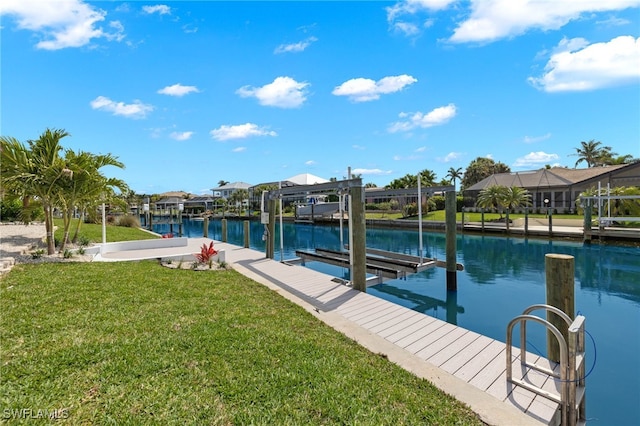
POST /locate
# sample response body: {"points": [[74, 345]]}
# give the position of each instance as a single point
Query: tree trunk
{"points": [[48, 225]]}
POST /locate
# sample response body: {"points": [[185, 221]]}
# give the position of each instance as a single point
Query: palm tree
{"points": [[454, 174], [87, 186], [593, 154], [492, 197], [427, 178], [515, 197], [36, 171]]}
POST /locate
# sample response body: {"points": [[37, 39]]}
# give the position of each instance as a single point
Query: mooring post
{"points": [[246, 234], [359, 278], [506, 220], [271, 229], [205, 227], [586, 227], [559, 269], [450, 225], [526, 221], [224, 230], [550, 222], [482, 218], [462, 219]]}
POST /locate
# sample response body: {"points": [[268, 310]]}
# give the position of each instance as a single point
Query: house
{"points": [[560, 187], [225, 191], [255, 192]]}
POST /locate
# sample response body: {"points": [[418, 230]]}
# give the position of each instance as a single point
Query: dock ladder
{"points": [[572, 363]]}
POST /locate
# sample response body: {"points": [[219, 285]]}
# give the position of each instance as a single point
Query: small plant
{"points": [[223, 265], [83, 240], [206, 254], [68, 254], [37, 254], [80, 251]]}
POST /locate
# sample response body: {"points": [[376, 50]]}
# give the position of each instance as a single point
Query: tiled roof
{"points": [[543, 178]]}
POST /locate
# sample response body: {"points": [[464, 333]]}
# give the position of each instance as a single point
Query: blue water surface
{"points": [[502, 276]]}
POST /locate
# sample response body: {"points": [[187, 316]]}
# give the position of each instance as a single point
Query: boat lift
{"points": [[361, 260], [383, 265]]}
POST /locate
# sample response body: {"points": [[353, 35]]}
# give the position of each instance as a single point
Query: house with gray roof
{"points": [[225, 191], [561, 186]]}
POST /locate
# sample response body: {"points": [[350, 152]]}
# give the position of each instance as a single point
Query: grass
{"points": [[93, 232], [136, 343]]}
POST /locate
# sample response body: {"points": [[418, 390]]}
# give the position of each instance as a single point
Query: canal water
{"points": [[502, 276]]}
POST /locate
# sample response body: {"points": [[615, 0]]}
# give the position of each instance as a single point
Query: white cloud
{"points": [[595, 66], [61, 24], [240, 131], [295, 47], [450, 157], [178, 90], [364, 89], [133, 110], [491, 20], [284, 92], [160, 9], [411, 7], [536, 139], [399, 13], [309, 163], [421, 149], [534, 159], [239, 149], [181, 136], [436, 117], [370, 172]]}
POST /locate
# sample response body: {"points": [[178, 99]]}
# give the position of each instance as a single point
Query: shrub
{"points": [[129, 221], [37, 254], [206, 254], [83, 240]]}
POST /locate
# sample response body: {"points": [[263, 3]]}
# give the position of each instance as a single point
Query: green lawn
{"points": [[137, 343], [93, 232]]}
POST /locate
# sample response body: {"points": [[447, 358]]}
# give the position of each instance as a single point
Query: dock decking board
{"points": [[478, 360]]}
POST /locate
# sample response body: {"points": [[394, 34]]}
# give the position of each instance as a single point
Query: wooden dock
{"points": [[472, 359]]}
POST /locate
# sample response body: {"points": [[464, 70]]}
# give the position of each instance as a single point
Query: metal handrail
{"points": [[569, 377], [564, 391]]}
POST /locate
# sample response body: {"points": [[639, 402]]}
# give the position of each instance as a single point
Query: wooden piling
{"points": [[559, 269], [482, 218], [586, 227], [526, 222], [550, 222], [205, 227], [359, 271], [246, 234], [224, 230], [450, 226]]}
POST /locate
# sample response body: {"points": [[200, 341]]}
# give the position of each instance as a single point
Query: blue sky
{"points": [[189, 93]]}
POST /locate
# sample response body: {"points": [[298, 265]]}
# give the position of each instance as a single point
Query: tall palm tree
{"points": [[593, 153], [36, 171], [454, 174]]}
